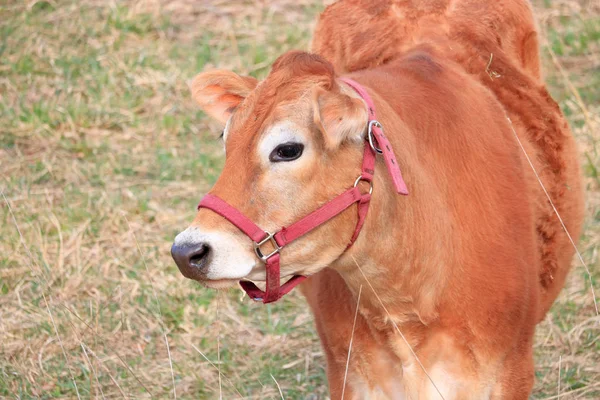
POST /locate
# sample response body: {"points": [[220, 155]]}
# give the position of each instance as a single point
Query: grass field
{"points": [[103, 158]]}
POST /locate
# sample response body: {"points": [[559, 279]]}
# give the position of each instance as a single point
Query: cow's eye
{"points": [[286, 152]]}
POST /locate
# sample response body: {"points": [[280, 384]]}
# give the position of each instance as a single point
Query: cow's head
{"points": [[292, 142]]}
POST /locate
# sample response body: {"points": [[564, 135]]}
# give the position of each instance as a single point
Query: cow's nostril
{"points": [[198, 258], [192, 259]]}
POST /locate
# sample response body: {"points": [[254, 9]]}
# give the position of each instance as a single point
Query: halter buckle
{"points": [[269, 238], [371, 137]]}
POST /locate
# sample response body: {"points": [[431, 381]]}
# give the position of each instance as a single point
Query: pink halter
{"points": [[280, 239]]}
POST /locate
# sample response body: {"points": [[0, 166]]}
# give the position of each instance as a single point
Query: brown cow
{"points": [[459, 271]]}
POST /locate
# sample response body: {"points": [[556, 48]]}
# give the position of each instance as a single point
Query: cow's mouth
{"points": [[256, 275], [218, 284], [206, 280]]}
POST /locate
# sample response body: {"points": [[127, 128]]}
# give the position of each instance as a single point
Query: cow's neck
{"points": [[400, 267]]}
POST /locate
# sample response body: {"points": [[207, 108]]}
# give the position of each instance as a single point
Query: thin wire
{"points": [[61, 345], [351, 340], [97, 335], [10, 210], [278, 387], [398, 330], [219, 345], [556, 212], [108, 373], [559, 362], [162, 325], [83, 346], [93, 370], [215, 367], [22, 240]]}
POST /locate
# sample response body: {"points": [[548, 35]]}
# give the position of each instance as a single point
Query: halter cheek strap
{"points": [[375, 134], [377, 144]]}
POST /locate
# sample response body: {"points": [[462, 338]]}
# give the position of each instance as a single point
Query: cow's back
{"points": [[362, 34]]}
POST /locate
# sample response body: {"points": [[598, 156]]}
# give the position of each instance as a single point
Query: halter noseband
{"points": [[281, 238]]}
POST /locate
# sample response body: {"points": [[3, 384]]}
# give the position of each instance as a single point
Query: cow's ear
{"points": [[340, 114], [219, 92]]}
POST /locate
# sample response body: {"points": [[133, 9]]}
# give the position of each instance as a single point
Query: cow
{"points": [[455, 253]]}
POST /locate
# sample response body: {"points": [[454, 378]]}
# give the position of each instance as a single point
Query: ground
{"points": [[103, 158]]}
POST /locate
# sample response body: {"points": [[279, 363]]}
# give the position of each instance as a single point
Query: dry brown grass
{"points": [[101, 147]]}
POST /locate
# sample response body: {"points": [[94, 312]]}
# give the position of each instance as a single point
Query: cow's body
{"points": [[496, 43], [516, 244], [457, 262], [467, 264]]}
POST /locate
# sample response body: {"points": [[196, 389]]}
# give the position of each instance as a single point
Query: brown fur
{"points": [[468, 262], [361, 34]]}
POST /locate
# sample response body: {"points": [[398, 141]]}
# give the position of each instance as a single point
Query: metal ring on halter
{"points": [[360, 178], [372, 140], [269, 238]]}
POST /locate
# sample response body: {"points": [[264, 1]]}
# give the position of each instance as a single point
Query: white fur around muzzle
{"points": [[229, 258]]}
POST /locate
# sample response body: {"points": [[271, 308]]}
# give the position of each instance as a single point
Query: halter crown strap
{"points": [[376, 129]]}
